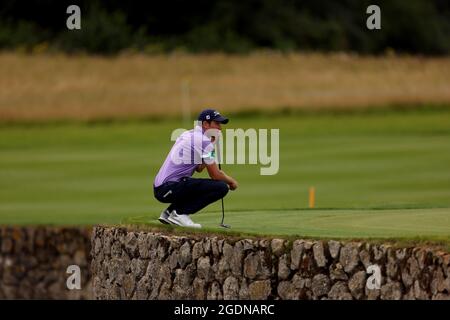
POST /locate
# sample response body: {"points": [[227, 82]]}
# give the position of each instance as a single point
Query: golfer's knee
{"points": [[222, 189]]}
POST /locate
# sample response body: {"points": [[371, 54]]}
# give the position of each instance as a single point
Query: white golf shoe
{"points": [[164, 217], [182, 220]]}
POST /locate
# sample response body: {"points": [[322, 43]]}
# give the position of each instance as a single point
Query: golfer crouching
{"points": [[192, 151]]}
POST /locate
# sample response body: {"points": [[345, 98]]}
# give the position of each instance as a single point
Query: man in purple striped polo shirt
{"points": [[192, 151]]}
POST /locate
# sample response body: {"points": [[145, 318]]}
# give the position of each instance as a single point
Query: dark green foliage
{"points": [[20, 34], [101, 33], [414, 26]]}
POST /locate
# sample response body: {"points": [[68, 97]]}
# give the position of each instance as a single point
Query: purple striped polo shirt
{"points": [[191, 148]]}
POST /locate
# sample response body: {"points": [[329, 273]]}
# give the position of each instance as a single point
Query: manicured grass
{"points": [[334, 223], [402, 227], [376, 175]]}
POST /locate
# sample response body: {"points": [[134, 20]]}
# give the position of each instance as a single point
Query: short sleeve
{"points": [[208, 152], [203, 149]]}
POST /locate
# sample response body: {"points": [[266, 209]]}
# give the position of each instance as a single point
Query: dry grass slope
{"points": [[42, 87]]}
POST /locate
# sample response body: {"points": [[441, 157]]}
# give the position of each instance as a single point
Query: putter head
{"points": [[223, 225]]}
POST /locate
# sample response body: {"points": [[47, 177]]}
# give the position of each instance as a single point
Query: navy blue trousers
{"points": [[190, 195]]}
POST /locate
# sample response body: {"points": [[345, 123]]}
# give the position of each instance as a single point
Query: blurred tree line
{"points": [[108, 27]]}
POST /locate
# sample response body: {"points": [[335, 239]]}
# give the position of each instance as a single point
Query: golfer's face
{"points": [[212, 128], [216, 125]]}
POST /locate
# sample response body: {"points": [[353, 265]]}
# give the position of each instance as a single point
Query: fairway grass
{"points": [[375, 175]]}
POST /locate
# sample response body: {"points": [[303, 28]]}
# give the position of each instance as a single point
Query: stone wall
{"points": [[145, 265], [129, 264], [34, 261]]}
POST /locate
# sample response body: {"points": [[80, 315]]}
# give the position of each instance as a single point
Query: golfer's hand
{"points": [[233, 185]]}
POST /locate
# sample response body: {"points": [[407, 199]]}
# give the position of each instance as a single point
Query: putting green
{"points": [[342, 223]]}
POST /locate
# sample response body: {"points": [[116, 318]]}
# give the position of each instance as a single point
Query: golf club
{"points": [[222, 224]]}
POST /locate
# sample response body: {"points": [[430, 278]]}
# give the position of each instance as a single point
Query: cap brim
{"points": [[221, 119]]}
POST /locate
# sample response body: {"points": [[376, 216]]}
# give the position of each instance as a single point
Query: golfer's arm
{"points": [[200, 167], [216, 174]]}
